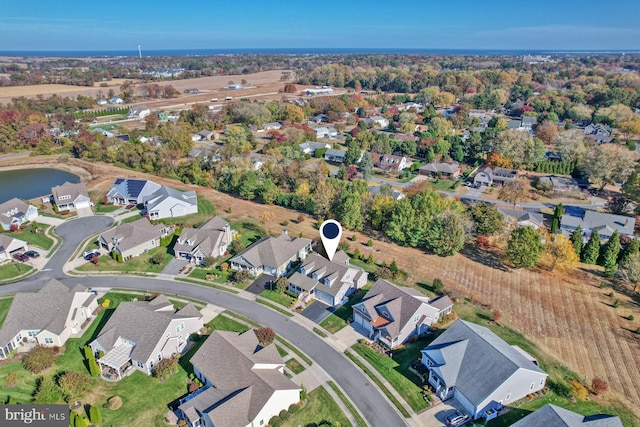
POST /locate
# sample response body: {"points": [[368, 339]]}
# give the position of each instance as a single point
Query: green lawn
{"points": [[106, 208], [224, 323], [388, 368], [294, 366], [277, 297], [442, 184], [249, 231], [139, 263], [11, 270], [338, 319], [557, 372], [320, 407], [5, 304], [29, 235], [202, 273]]}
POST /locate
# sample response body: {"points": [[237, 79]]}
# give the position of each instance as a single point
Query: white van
{"points": [[214, 99], [229, 98]]}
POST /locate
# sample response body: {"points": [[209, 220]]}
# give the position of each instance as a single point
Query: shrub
{"points": [[265, 335], [11, 379], [354, 238], [38, 359], [157, 258], [73, 385], [370, 243], [293, 408], [47, 392], [106, 303], [599, 386], [284, 415], [95, 416], [114, 403], [94, 369], [165, 368], [437, 286], [630, 317], [496, 316], [578, 390], [616, 303], [638, 331], [275, 421], [560, 388]]}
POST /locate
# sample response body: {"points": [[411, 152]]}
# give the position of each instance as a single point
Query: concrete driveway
{"points": [[174, 266], [317, 311], [436, 416]]}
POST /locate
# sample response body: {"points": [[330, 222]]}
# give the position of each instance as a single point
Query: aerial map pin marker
{"points": [[330, 233]]}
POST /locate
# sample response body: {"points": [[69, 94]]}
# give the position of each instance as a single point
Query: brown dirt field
{"points": [[568, 316]]}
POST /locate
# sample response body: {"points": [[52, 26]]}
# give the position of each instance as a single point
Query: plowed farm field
{"points": [[569, 317]]}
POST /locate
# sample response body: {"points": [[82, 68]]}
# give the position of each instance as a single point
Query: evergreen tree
{"points": [[557, 216], [576, 240], [591, 250], [609, 254], [524, 247], [95, 416], [632, 248], [366, 165]]}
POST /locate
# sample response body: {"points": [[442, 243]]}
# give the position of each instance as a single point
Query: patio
{"points": [[116, 364]]}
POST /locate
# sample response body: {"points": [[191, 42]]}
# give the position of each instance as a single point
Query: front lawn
{"points": [[320, 408], [34, 235], [277, 297], [102, 208], [140, 263], [215, 274], [5, 304], [12, 270], [224, 323], [389, 369], [294, 366], [338, 319]]}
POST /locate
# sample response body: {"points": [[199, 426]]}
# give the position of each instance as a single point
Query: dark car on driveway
{"points": [[20, 257], [32, 254]]}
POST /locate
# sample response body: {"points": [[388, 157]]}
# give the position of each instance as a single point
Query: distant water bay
{"points": [[31, 183]]}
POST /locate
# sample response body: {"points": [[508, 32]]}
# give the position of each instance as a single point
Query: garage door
{"points": [[326, 298], [83, 204]]}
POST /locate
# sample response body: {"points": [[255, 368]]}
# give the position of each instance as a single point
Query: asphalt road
{"points": [[369, 400]]}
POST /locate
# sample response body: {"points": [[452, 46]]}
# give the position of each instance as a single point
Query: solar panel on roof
{"points": [[119, 180], [135, 186]]}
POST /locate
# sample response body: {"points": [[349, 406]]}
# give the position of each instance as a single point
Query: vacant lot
{"points": [[569, 317]]}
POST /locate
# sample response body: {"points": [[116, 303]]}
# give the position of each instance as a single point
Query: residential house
{"points": [[211, 239], [203, 152], [272, 255], [125, 191], [589, 220], [116, 100], [139, 334], [599, 133], [133, 238], [445, 170], [528, 122], [206, 135], [10, 245], [522, 218], [325, 132], [483, 373], [328, 281], [70, 196], [167, 202], [375, 190], [317, 119], [378, 121], [104, 132], [310, 147], [391, 315], [554, 416], [139, 112], [561, 183], [487, 176], [47, 317], [319, 91], [244, 383], [271, 126], [389, 162], [102, 102], [335, 155], [15, 212]]}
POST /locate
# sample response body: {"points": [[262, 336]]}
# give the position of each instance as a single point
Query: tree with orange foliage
{"points": [[498, 160]]}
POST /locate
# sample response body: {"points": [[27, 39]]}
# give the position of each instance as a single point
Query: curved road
{"points": [[369, 400]]}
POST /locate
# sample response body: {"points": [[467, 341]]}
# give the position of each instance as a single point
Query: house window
{"points": [[159, 357], [532, 386], [48, 340], [179, 327], [140, 364], [415, 318], [541, 382], [32, 334], [261, 422], [151, 364], [508, 396]]}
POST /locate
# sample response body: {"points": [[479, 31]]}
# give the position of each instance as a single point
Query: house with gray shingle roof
{"points": [[139, 334], [522, 218], [167, 202], [272, 255], [47, 317], [15, 212], [590, 221], [211, 239], [391, 315], [310, 147], [244, 382], [133, 238], [125, 191], [70, 196], [335, 155], [478, 369], [9, 245], [554, 416], [447, 170], [328, 281]]}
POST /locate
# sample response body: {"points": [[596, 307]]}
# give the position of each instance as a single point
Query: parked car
{"points": [[130, 207], [20, 257], [90, 253], [32, 254], [457, 418]]}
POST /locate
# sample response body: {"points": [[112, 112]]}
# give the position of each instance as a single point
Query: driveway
{"points": [[260, 284], [476, 192], [317, 311], [174, 266], [83, 212], [436, 416]]}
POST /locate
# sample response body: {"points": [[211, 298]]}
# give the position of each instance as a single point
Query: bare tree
{"points": [[629, 271]]}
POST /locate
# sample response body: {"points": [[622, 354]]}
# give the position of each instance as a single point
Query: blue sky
{"points": [[216, 24]]}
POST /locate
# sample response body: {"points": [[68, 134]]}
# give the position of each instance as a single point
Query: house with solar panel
{"points": [[125, 191]]}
